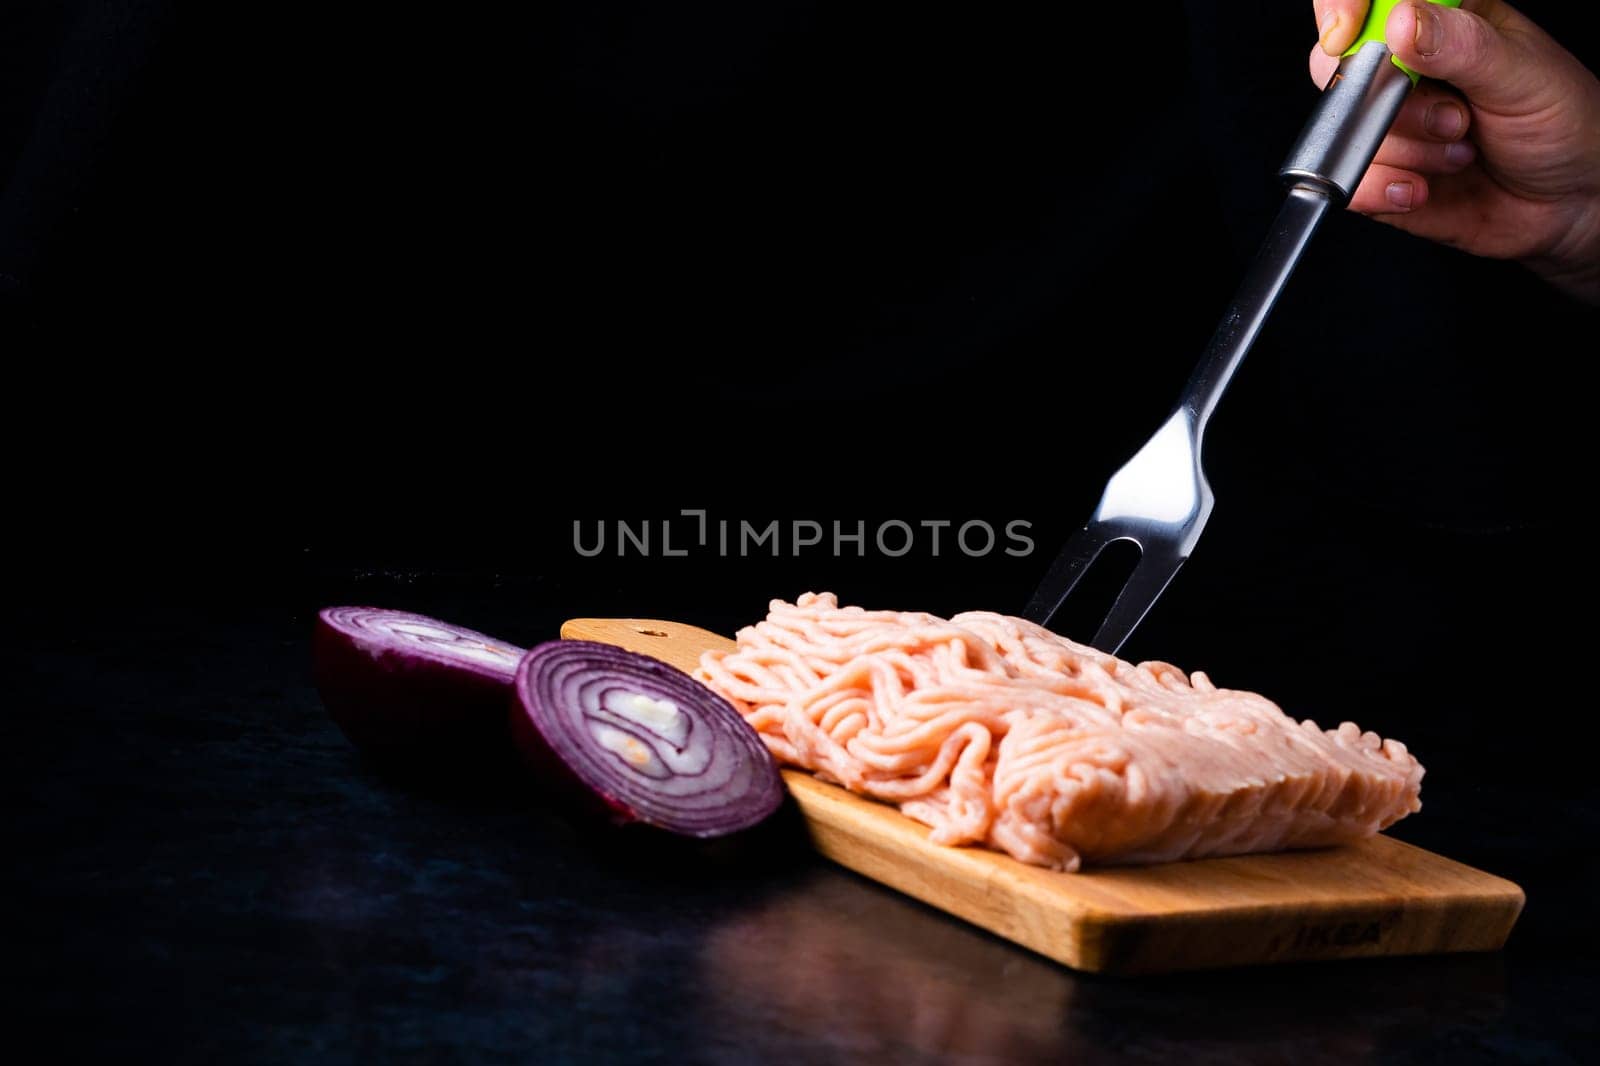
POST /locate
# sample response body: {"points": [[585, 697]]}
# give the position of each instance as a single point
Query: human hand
{"points": [[1504, 161]]}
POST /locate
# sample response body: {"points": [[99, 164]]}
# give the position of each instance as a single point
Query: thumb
{"points": [[1464, 49]]}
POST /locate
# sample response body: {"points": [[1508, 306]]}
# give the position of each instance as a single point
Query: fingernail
{"points": [[1399, 194], [1445, 120], [1429, 36], [1458, 153], [1330, 24]]}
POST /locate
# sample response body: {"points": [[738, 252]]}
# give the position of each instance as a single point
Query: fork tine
{"points": [[1070, 565], [1148, 580]]}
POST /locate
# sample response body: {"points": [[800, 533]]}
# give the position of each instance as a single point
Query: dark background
{"points": [[317, 303]]}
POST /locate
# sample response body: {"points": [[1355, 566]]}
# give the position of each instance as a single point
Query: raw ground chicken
{"points": [[992, 730]]}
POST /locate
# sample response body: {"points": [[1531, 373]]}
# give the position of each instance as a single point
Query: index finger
{"points": [[1338, 23]]}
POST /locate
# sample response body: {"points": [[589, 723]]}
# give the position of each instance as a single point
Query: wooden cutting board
{"points": [[1380, 897]]}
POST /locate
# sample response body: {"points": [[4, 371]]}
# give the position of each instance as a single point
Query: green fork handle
{"points": [[1378, 18]]}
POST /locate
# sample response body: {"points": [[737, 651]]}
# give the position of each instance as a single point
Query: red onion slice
{"points": [[409, 686], [653, 743]]}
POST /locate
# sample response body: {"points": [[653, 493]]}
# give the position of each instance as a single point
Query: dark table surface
{"points": [[202, 869], [375, 276]]}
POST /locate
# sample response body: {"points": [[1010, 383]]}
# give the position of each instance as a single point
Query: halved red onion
{"points": [[653, 743], [406, 685]]}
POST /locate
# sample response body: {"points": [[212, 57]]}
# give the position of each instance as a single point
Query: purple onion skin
{"points": [[406, 710], [555, 777]]}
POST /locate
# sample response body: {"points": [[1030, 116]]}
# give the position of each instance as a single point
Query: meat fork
{"points": [[1160, 499]]}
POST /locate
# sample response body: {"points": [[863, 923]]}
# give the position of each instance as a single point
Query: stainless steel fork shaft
{"points": [[1323, 169], [1247, 313]]}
